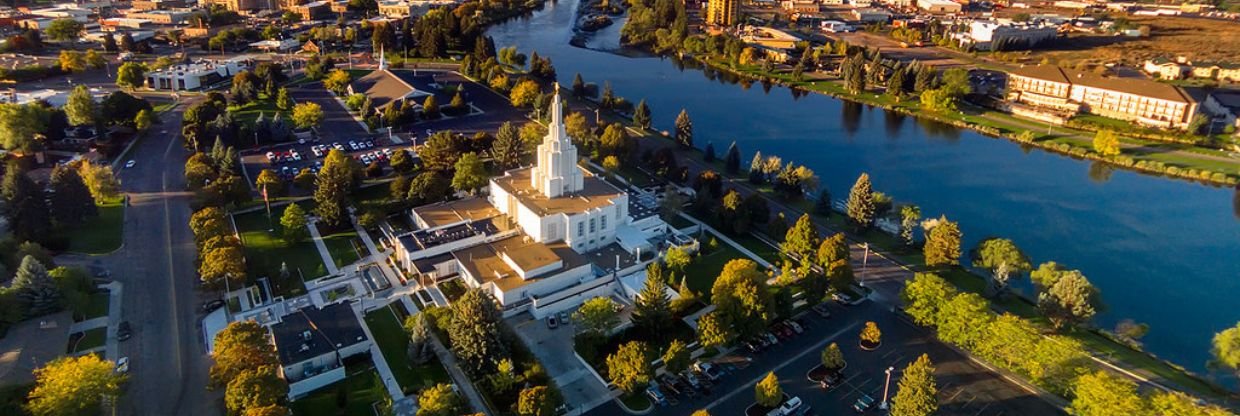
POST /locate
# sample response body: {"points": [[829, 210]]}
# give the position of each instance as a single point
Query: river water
{"points": [[1162, 251]]}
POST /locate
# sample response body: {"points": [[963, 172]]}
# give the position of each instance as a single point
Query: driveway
{"points": [[554, 348], [337, 123]]}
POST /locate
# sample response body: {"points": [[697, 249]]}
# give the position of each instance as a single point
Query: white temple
{"points": [[549, 234]]}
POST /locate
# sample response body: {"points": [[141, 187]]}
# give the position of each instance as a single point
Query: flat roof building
{"points": [[721, 12], [1142, 101]]}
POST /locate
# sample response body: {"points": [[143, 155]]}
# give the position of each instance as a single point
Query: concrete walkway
{"points": [[378, 256], [381, 365], [115, 290], [323, 252], [89, 324], [730, 241]]}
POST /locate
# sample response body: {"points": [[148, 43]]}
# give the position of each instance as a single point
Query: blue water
{"points": [[1162, 251]]}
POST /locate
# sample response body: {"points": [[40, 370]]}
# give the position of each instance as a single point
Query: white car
{"points": [[130, 163], [122, 365]]}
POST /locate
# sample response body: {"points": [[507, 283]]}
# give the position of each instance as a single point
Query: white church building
{"points": [[546, 238]]}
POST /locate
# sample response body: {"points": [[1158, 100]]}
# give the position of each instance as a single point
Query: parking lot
{"points": [[287, 160], [965, 387]]}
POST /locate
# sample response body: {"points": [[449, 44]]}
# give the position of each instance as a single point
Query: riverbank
{"points": [[1141, 155]]}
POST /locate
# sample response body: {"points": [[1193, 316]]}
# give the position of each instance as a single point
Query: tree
{"points": [[109, 42], [80, 107], [536, 401], [652, 310], [597, 315], [508, 149], [269, 182], [273, 410], [677, 259], [923, 295], [801, 242], [419, 330], [1226, 349], [916, 393], [870, 333], [74, 385], [307, 115], [283, 100], [1003, 259], [25, 204], [732, 161], [71, 202], [20, 126], [684, 129], [223, 261], [131, 75], [440, 400], [832, 357], [475, 332], [402, 162], [1100, 393], [470, 173], [35, 288], [331, 192], [641, 115], [767, 392], [94, 60], [861, 208], [629, 367], [144, 119], [741, 297], [65, 29], [255, 388], [293, 224], [712, 332], [337, 81], [1071, 300], [963, 319], [615, 141], [676, 358], [71, 61], [942, 246], [1106, 143], [1174, 403], [241, 346], [910, 215], [524, 93], [244, 87]]}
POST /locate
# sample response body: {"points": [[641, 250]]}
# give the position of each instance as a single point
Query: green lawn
{"points": [[345, 246], [249, 112], [98, 305], [102, 234], [394, 342], [363, 390], [452, 289], [705, 268], [90, 339], [265, 251], [635, 402]]}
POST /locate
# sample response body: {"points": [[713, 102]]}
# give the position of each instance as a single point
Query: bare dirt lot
{"points": [[1198, 39]]}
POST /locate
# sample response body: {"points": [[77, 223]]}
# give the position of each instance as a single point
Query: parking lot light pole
{"points": [[886, 386]]}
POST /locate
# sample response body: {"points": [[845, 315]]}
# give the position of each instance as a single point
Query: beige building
{"points": [[800, 6], [1145, 102], [721, 12]]}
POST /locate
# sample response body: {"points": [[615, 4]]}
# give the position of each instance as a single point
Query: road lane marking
{"points": [[820, 344]]}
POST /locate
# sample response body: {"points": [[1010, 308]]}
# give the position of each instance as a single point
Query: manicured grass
{"points": [[102, 234], [343, 246], [363, 390], [266, 250], [249, 112], [93, 338], [680, 222], [394, 343], [704, 269], [98, 305]]}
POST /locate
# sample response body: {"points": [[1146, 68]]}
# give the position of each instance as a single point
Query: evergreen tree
{"points": [[652, 312], [109, 43], [641, 115], [942, 246], [916, 393], [861, 209], [684, 129], [708, 153], [508, 148], [756, 176], [331, 193], [732, 161], [924, 79], [35, 288], [71, 202], [25, 205], [475, 332], [579, 86], [895, 84], [822, 204]]}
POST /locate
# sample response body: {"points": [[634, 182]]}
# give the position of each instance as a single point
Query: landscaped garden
{"points": [[393, 341], [358, 394]]}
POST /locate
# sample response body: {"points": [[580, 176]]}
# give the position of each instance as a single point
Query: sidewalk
{"points": [[385, 372], [730, 242], [332, 270], [114, 319]]}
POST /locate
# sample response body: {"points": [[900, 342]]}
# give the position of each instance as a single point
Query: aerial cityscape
{"points": [[638, 207]]}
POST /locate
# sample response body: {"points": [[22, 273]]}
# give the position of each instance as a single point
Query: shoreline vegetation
{"points": [[1142, 150]]}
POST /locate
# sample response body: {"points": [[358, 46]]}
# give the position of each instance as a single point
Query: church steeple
{"points": [[557, 173], [382, 59]]}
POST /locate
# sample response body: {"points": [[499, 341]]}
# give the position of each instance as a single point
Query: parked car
{"points": [[708, 370], [212, 305], [130, 163], [564, 317], [552, 322], [832, 380], [863, 403], [792, 406], [796, 327], [122, 365], [123, 331], [656, 396]]}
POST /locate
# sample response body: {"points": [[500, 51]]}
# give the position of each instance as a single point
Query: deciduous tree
{"points": [[74, 385], [1004, 260], [131, 75], [241, 346], [942, 246], [629, 367], [768, 393], [870, 333], [1102, 394], [712, 331], [307, 115], [924, 295], [71, 202], [80, 107], [1106, 143], [597, 315], [684, 129], [963, 319], [741, 297], [439, 400], [1072, 300], [910, 216], [1226, 349], [536, 401], [524, 93], [469, 173], [293, 224], [255, 388], [832, 357]]}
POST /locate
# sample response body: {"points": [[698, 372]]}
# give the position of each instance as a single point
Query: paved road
{"points": [[965, 388], [169, 362]]}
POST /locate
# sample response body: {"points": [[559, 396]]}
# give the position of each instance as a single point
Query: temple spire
{"points": [[382, 59], [557, 116]]}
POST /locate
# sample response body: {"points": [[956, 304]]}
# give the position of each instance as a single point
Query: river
{"points": [[1162, 251]]}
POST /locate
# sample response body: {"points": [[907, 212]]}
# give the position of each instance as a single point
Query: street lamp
{"points": [[865, 262], [886, 386]]}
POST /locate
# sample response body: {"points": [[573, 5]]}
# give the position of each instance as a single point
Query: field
{"points": [[265, 251], [394, 342], [1197, 39]]}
